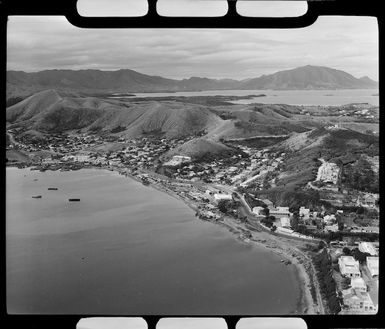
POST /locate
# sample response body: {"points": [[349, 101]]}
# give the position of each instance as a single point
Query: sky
{"points": [[51, 42]]}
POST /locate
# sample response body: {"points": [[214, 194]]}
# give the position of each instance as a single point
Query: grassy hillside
{"points": [[199, 148]]}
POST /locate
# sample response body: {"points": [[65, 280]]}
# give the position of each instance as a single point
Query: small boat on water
{"points": [[36, 196], [73, 199], [52, 189]]}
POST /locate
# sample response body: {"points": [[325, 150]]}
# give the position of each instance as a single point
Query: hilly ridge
{"points": [[22, 84], [51, 111]]}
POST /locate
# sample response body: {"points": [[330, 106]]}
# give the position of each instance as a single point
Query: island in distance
{"points": [[303, 178]]}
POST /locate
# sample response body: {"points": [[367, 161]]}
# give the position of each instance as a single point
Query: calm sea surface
{"points": [[293, 97], [128, 249]]}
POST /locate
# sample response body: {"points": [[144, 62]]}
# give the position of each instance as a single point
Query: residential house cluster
{"points": [[356, 298]]}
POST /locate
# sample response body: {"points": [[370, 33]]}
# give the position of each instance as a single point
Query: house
{"points": [[358, 301], [349, 267], [367, 247], [372, 264], [285, 222], [304, 212], [279, 212], [267, 202], [359, 284], [331, 228], [177, 160], [259, 211], [284, 230], [327, 220], [221, 196]]}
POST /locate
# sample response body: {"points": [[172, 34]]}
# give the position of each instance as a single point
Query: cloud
{"points": [[345, 43]]}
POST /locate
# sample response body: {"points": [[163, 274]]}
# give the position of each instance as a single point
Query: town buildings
{"points": [[280, 212], [358, 301]]}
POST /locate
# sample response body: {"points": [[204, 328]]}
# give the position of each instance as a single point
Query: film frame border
{"points": [[232, 19]]}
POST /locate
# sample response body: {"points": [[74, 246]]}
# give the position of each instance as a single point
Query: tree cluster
{"points": [[323, 265]]}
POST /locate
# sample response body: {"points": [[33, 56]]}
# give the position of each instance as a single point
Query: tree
{"points": [[346, 251], [222, 206], [273, 228], [360, 256], [294, 222]]}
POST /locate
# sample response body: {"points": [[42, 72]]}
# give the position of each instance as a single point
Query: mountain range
{"points": [[21, 84]]}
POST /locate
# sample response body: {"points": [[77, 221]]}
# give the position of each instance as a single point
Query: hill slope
{"points": [[198, 148], [50, 111]]}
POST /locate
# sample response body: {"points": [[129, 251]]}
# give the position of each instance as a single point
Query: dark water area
{"points": [[129, 249]]}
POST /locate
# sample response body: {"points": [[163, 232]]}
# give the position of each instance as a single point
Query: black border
{"points": [[152, 20]]}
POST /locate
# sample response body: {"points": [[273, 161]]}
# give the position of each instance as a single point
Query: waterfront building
{"points": [[222, 196], [259, 211], [349, 267], [358, 284], [358, 301], [285, 222], [280, 212], [372, 264]]}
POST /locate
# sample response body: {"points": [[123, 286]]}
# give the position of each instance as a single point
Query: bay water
{"points": [[129, 249]]}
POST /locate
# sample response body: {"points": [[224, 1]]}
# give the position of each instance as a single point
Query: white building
{"points": [[279, 212], [328, 172], [358, 301], [259, 211], [285, 222], [285, 230], [349, 267], [177, 160], [368, 248], [331, 228], [372, 264], [358, 284], [81, 158], [221, 196], [304, 212]]}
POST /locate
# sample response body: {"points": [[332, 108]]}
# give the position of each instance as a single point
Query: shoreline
{"points": [[282, 247], [302, 264]]}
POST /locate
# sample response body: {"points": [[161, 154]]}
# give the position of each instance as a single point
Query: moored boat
{"points": [[73, 199]]}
